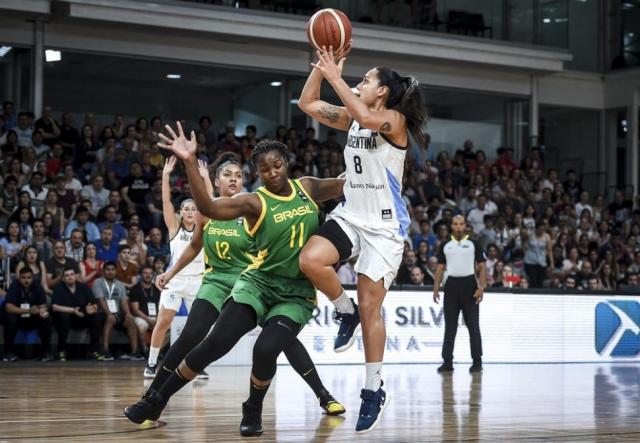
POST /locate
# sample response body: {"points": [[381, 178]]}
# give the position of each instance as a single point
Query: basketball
{"points": [[329, 27]]}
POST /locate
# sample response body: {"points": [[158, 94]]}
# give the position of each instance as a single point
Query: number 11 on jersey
{"points": [[292, 243]]}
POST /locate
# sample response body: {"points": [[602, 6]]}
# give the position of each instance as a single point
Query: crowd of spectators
{"points": [[84, 237]]}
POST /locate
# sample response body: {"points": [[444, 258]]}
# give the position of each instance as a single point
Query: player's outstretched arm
{"points": [[323, 189], [386, 121], [331, 115], [223, 208]]}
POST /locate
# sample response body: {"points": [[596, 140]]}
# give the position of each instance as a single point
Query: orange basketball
{"points": [[329, 27]]}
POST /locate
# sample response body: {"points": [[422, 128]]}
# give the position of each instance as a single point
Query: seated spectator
{"points": [[417, 276], [56, 265], [425, 235], [126, 270], [118, 168], [632, 282], [135, 187], [404, 273], [490, 263], [153, 201], [156, 247], [488, 235], [110, 215], [585, 273], [572, 264], [74, 307], [67, 197], [114, 306], [135, 240], [593, 283], [422, 254], [47, 126], [25, 219], [74, 247], [107, 247], [159, 267], [70, 181], [347, 273], [40, 241], [91, 266], [570, 283], [24, 130], [97, 193], [26, 309], [32, 261], [143, 300], [11, 246], [8, 199], [508, 278], [475, 218], [59, 220], [36, 191], [88, 229]]}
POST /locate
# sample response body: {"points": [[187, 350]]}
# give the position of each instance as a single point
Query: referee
{"points": [[459, 256]]}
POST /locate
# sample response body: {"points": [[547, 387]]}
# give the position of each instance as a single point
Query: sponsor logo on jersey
{"points": [[387, 214], [293, 213], [361, 142], [223, 232]]}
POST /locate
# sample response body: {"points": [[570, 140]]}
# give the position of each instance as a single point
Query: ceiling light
{"points": [[276, 83], [4, 50], [51, 55], [174, 76]]}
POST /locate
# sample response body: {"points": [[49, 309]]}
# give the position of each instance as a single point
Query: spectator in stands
{"points": [[57, 214], [10, 118], [24, 130], [70, 181], [126, 270], [67, 198], [430, 270], [114, 306], [48, 127], [632, 282], [135, 188], [143, 300], [156, 247], [91, 266], [74, 307], [56, 265], [97, 193], [40, 241], [85, 153], [36, 191], [206, 129], [88, 229], [153, 201], [135, 240], [570, 283], [74, 247], [31, 260], [26, 309], [537, 250], [593, 283], [107, 247], [475, 218], [111, 220], [11, 245], [404, 273], [8, 199], [417, 276], [69, 135]]}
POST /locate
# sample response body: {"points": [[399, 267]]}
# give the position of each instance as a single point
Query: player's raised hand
{"points": [[327, 65], [169, 165], [203, 168], [179, 144]]}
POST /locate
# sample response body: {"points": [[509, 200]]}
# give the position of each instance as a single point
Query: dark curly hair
{"points": [[224, 159], [266, 146]]}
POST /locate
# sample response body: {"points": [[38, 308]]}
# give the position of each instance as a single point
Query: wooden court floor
{"points": [[82, 402]]}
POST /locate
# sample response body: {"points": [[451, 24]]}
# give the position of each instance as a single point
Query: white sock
{"points": [[153, 355], [374, 376], [343, 304]]}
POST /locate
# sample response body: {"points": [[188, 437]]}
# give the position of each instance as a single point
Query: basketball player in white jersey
{"points": [[372, 223], [186, 283]]}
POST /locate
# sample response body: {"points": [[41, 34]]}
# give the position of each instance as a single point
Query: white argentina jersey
{"points": [[373, 189], [177, 245]]}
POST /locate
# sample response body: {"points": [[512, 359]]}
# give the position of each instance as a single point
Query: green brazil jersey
{"points": [[283, 228], [226, 245]]}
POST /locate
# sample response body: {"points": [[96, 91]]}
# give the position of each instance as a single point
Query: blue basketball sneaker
{"points": [[373, 403], [349, 325]]}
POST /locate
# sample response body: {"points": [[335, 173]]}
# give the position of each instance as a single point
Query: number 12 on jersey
{"points": [[222, 248], [297, 231]]}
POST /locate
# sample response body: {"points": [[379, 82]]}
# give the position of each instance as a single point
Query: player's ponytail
{"points": [[404, 97]]}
